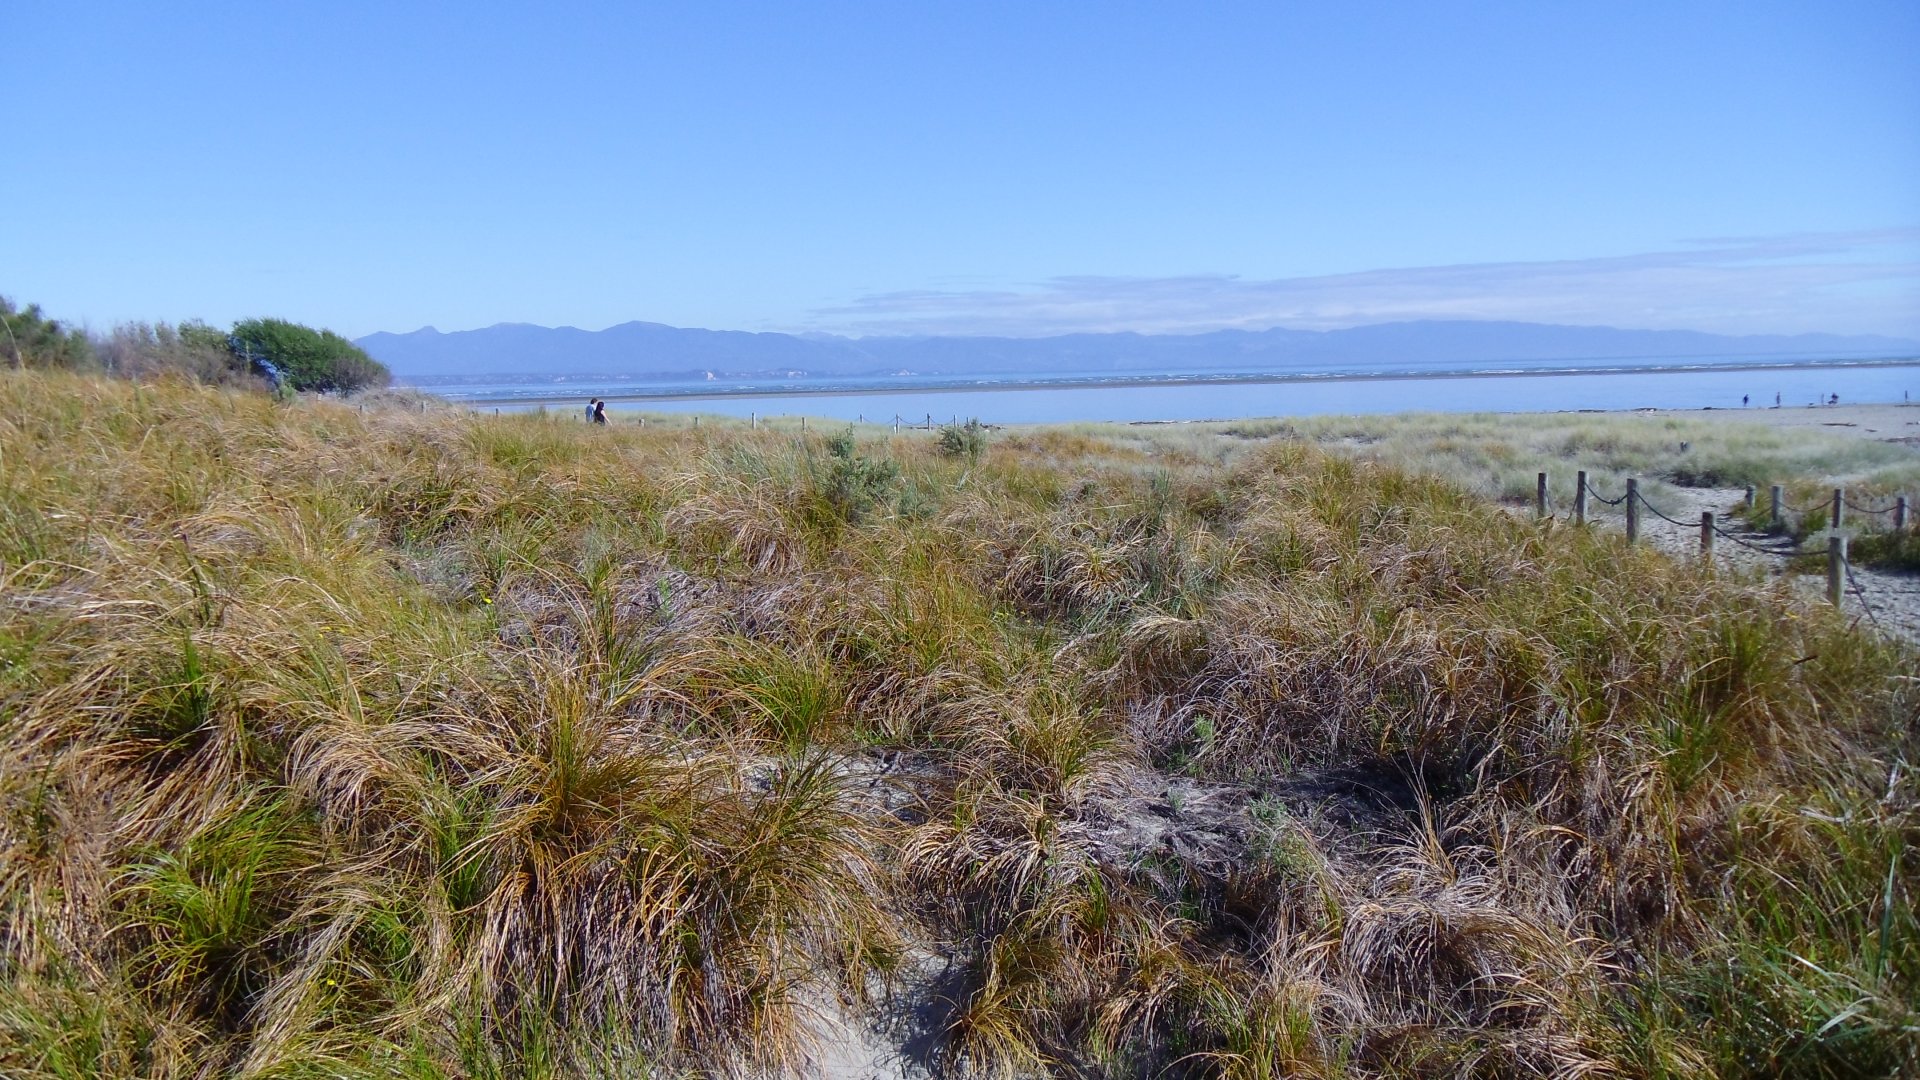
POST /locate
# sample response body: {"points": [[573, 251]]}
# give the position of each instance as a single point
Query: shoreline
{"points": [[1164, 381]]}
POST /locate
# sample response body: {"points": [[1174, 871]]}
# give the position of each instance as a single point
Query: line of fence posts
{"points": [[1776, 502]]}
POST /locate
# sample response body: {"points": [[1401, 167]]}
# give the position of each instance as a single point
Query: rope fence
{"points": [[1840, 575], [1748, 544], [1859, 592], [1656, 513], [1591, 490], [1863, 510]]}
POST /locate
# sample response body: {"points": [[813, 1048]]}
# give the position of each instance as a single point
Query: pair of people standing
{"points": [[596, 411]]}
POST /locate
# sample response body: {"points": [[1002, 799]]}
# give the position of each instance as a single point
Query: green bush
{"points": [[854, 483], [306, 359], [968, 439]]}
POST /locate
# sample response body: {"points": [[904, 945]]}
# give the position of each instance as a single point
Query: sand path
{"points": [[1886, 601]]}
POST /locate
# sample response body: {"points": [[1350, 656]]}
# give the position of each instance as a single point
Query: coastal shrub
{"points": [[966, 440], [853, 484], [302, 358]]}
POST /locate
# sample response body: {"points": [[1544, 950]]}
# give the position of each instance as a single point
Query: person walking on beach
{"points": [[591, 402], [1743, 401], [599, 412]]}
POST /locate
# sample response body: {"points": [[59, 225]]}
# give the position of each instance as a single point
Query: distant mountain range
{"points": [[640, 350]]}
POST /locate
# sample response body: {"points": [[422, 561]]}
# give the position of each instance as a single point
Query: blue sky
{"points": [[994, 168]]}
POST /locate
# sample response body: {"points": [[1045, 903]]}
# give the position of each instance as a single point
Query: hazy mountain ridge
{"points": [[639, 349]]}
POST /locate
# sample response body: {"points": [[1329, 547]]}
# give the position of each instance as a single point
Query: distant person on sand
{"points": [[1834, 400], [1776, 399], [599, 412], [1743, 401]]}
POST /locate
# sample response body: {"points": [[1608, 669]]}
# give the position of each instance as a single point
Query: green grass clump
{"points": [[429, 744], [1894, 551]]}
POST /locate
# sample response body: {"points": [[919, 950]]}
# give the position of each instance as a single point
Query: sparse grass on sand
{"points": [[1498, 454], [428, 745]]}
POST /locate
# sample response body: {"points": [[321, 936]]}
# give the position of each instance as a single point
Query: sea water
{"points": [[1217, 399]]}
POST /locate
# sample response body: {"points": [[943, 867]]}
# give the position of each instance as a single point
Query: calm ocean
{"points": [[1013, 403]]}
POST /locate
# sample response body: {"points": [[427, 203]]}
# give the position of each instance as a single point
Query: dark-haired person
{"points": [[599, 412]]}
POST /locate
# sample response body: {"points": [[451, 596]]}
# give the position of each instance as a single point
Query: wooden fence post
{"points": [[1839, 501], [1777, 496], [1706, 534], [1633, 509], [1836, 567], [1580, 498], [1540, 496], [1900, 514], [1749, 500]]}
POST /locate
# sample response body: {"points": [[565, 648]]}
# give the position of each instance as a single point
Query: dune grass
{"points": [[417, 743]]}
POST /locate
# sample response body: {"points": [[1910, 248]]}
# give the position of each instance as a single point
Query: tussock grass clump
{"points": [[422, 743]]}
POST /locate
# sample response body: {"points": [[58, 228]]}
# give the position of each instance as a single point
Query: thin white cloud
{"points": [[1857, 282]]}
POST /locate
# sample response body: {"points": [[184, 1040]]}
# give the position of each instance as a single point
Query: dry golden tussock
{"points": [[435, 745]]}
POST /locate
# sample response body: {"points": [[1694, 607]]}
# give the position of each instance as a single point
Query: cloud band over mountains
{"points": [[1865, 282]]}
